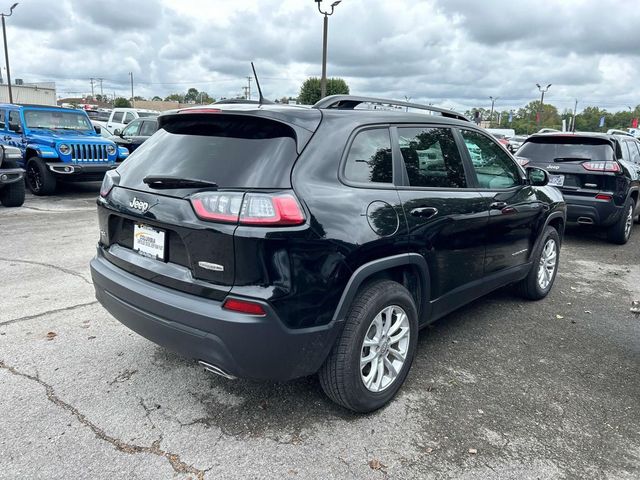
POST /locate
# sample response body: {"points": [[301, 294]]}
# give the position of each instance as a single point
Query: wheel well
{"points": [[30, 153], [634, 195], [407, 276], [558, 224]]}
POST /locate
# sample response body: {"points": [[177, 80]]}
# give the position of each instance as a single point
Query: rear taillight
{"points": [[110, 180], [602, 166], [248, 209], [605, 197], [522, 161], [244, 306]]}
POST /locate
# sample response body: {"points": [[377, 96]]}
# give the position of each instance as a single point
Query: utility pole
{"points": [[325, 27], [6, 52], [542, 91], [133, 102], [91, 80], [573, 121], [101, 92], [248, 91]]}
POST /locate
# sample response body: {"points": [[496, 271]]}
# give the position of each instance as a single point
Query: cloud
{"points": [[449, 52]]}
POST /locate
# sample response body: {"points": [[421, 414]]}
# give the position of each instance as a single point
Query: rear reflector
{"points": [[602, 166], [602, 196], [279, 209], [243, 306]]}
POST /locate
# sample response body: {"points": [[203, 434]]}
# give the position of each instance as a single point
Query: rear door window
{"points": [[234, 151], [148, 128], [634, 150], [494, 168], [117, 117], [128, 117], [14, 120], [369, 159], [2, 124], [431, 157]]}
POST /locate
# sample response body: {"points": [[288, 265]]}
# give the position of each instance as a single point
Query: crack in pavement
{"points": [[48, 312], [48, 265], [174, 459]]}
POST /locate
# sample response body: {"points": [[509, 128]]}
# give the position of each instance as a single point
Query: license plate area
{"points": [[149, 241], [556, 180]]}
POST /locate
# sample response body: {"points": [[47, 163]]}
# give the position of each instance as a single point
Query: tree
{"points": [[156, 99], [310, 89], [175, 97], [192, 95], [121, 103]]}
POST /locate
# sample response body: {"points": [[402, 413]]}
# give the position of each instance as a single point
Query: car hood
{"points": [[66, 136]]}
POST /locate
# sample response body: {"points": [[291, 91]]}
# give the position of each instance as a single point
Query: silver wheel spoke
{"points": [[384, 348]]}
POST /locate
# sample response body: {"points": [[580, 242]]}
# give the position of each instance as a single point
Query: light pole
{"points": [[6, 52], [493, 101], [323, 80], [542, 91]]}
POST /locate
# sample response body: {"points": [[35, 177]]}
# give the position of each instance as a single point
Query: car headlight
{"points": [[111, 149], [64, 149]]}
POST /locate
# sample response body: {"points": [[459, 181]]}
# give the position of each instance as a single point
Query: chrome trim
{"points": [[217, 370]]}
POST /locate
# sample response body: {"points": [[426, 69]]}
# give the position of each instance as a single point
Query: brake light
{"points": [[110, 180], [602, 166], [200, 110], [244, 306], [249, 208], [602, 196]]}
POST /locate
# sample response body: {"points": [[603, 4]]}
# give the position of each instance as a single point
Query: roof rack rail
{"points": [[350, 102]]}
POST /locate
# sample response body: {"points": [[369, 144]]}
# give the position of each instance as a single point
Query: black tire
{"points": [[39, 179], [12, 195], [620, 232], [340, 376], [529, 287]]}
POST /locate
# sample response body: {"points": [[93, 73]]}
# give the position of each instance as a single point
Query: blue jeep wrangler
{"points": [[58, 144]]}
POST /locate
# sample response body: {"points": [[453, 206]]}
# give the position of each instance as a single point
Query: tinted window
{"points": [[232, 151], [148, 128], [146, 114], [431, 158], [2, 119], [132, 129], [546, 149], [634, 150], [624, 151], [369, 159], [494, 168], [117, 117], [14, 119]]}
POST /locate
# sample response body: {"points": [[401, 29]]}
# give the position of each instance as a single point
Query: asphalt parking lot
{"points": [[540, 390]]}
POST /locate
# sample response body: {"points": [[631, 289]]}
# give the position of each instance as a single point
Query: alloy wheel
{"points": [[384, 349], [33, 175], [628, 223], [548, 262]]}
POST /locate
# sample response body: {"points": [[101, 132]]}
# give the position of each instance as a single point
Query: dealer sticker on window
{"points": [[556, 180], [148, 241]]}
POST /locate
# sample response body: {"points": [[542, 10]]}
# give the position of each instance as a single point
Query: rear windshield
{"points": [[147, 114], [549, 149], [233, 151]]}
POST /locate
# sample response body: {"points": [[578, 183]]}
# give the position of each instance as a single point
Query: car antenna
{"points": [[257, 83]]}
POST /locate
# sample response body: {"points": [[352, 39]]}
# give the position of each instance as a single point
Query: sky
{"points": [[452, 53]]}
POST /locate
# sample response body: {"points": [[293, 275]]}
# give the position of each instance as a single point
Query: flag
{"points": [[511, 117], [634, 124], [601, 122]]}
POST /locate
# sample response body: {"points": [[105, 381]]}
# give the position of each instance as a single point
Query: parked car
{"points": [[501, 139], [56, 144], [598, 174], [136, 133], [11, 177], [121, 117], [263, 262], [98, 115], [515, 142]]}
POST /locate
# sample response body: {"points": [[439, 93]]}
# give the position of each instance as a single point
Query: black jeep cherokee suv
{"points": [[598, 174], [273, 242]]}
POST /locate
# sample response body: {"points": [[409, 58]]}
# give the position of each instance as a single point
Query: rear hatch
{"points": [[578, 165], [176, 202]]}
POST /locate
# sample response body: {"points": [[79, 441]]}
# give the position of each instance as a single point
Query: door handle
{"points": [[424, 212], [498, 205]]}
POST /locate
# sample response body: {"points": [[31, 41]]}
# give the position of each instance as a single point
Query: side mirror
{"points": [[117, 132], [97, 129], [537, 176], [15, 127]]}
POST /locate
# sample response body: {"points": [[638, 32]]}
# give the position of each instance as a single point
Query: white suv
{"points": [[121, 117]]}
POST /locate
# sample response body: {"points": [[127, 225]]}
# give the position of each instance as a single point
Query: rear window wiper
{"points": [[572, 159], [163, 181]]}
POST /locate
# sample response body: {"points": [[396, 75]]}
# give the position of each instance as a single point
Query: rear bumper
{"points": [[241, 345], [10, 175], [75, 171], [591, 211]]}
